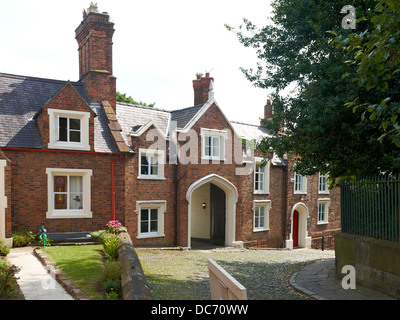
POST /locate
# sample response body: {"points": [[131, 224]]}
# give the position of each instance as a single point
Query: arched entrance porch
{"points": [[212, 211], [298, 237]]}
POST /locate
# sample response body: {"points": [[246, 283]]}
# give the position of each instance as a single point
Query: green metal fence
{"points": [[370, 207]]}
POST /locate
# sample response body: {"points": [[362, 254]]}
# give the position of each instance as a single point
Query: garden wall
{"points": [[377, 262], [133, 281]]}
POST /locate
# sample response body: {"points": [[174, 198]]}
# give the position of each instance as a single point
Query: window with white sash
{"points": [[151, 218], [261, 215], [68, 193], [68, 130], [213, 144], [151, 164], [323, 209], [323, 184], [300, 183], [261, 176]]}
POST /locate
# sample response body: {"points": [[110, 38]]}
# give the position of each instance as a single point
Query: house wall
{"points": [[67, 99], [310, 201], [149, 190], [29, 201]]}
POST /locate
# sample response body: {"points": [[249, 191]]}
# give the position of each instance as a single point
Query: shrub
{"points": [[111, 279], [111, 271], [4, 249], [112, 286], [111, 245], [7, 282], [23, 238], [112, 296]]}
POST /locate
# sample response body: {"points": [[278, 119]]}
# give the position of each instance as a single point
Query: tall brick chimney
{"points": [[268, 111], [94, 37], [203, 89]]}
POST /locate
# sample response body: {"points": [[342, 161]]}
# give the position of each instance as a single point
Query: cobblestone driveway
{"points": [[183, 275]]}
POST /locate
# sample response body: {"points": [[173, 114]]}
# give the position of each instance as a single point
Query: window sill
{"points": [[322, 223], [261, 229], [151, 178], [69, 146], [261, 192], [323, 192], [299, 192], [68, 215], [150, 235], [213, 158]]}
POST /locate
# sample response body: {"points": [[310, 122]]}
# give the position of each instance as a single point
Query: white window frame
{"points": [[68, 213], [267, 206], [323, 178], [302, 184], [213, 134], [54, 116], [325, 202], [161, 206], [265, 174], [160, 155]]}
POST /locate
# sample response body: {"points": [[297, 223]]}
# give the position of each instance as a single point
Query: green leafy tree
{"points": [[313, 122], [122, 97], [375, 53]]}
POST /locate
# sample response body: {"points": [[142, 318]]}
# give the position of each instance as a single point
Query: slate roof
{"points": [[183, 116], [134, 116], [249, 131], [22, 97]]}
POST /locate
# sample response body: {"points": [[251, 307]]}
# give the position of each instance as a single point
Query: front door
{"points": [[295, 228], [217, 215]]}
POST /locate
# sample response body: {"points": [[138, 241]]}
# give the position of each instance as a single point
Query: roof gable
{"points": [[20, 100]]}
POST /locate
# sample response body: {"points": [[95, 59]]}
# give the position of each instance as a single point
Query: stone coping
{"points": [[133, 281]]}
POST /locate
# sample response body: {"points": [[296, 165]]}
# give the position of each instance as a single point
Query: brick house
{"points": [[72, 158]]}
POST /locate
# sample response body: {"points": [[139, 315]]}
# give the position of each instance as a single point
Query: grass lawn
{"points": [[82, 265]]}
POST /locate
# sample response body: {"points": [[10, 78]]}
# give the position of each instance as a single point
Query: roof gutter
{"points": [[59, 151]]}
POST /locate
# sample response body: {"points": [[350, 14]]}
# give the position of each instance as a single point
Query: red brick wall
{"points": [[144, 190], [311, 201], [29, 199], [66, 99]]}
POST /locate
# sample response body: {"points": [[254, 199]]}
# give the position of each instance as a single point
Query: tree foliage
{"points": [[122, 97], [375, 52], [314, 123]]}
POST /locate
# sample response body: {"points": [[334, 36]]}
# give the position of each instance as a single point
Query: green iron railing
{"points": [[370, 207]]}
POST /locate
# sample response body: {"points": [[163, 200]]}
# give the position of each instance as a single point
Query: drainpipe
{"points": [[112, 189], [285, 199]]}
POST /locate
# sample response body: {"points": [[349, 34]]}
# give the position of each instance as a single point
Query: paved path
{"points": [[319, 281], [35, 282]]}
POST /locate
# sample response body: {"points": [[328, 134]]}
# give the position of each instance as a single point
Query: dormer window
{"points": [[68, 130]]}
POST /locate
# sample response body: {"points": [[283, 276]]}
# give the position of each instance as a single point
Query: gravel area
{"points": [[183, 275]]}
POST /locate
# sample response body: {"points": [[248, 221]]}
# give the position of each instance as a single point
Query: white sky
{"points": [[159, 46]]}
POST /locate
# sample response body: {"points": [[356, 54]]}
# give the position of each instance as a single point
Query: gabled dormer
{"points": [[66, 121]]}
